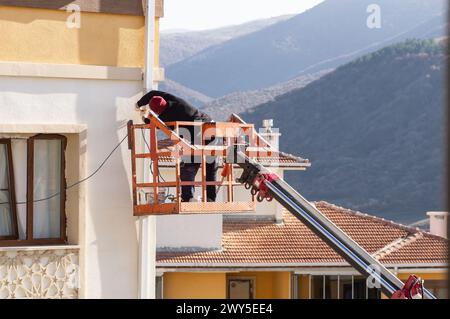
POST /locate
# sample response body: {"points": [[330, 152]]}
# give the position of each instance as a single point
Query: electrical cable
{"points": [[151, 166], [160, 177], [77, 183]]}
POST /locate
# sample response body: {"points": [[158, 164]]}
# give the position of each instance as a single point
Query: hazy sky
{"points": [[208, 14]]}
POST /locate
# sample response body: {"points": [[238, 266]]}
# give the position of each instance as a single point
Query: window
{"points": [[359, 288], [439, 288], [317, 287], [345, 287], [333, 287], [8, 214], [46, 184], [373, 293], [38, 219]]}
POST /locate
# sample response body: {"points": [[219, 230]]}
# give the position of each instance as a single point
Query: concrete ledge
{"points": [[42, 128], [39, 248], [70, 71]]}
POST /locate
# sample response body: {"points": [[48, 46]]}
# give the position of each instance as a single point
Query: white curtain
{"points": [[5, 209], [47, 182]]}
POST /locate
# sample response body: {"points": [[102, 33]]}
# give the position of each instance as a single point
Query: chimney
{"points": [[438, 223], [271, 135]]}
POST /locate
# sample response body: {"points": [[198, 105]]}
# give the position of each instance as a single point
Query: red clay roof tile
{"points": [[265, 242]]}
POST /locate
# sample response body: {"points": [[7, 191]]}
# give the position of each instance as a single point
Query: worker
{"points": [[171, 108]]}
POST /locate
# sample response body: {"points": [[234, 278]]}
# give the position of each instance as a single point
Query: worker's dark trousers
{"points": [[187, 174]]}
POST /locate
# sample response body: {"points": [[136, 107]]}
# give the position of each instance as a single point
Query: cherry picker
{"points": [[262, 183]]}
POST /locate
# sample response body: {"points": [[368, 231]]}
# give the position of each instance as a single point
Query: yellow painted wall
{"points": [[41, 36], [269, 285], [263, 283], [282, 285], [303, 287], [429, 276], [195, 286]]}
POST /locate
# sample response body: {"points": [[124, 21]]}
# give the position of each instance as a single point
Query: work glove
{"points": [[144, 112]]}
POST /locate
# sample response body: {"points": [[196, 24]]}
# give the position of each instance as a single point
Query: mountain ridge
{"points": [[220, 109], [298, 45], [178, 46], [376, 144]]}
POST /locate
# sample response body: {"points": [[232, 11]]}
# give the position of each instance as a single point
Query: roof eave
{"points": [[401, 267], [129, 7]]}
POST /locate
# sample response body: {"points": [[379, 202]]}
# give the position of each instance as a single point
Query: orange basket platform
{"points": [[158, 149]]}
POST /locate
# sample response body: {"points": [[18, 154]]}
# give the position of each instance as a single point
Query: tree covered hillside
{"points": [[373, 130]]}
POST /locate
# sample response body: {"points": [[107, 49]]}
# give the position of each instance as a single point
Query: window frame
{"points": [[340, 277], [29, 240], [30, 190], [11, 191]]}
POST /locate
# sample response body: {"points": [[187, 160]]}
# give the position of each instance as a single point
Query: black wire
{"points": [[77, 183], [151, 164], [160, 177]]}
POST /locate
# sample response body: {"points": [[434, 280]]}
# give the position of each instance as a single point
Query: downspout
{"points": [[147, 224]]}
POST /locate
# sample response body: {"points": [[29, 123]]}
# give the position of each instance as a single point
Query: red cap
{"points": [[158, 104]]}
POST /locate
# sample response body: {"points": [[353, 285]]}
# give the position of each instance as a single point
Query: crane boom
{"points": [[267, 185]]}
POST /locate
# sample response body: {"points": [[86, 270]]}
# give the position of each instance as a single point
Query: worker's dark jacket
{"points": [[178, 110]]}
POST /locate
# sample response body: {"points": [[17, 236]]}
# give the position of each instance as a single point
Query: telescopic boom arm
{"points": [[267, 185]]}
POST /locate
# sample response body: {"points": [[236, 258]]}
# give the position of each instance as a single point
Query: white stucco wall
{"points": [[109, 241], [193, 231], [205, 231], [438, 223]]}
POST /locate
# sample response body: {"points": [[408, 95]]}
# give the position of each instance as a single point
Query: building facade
{"points": [[70, 74], [261, 257]]}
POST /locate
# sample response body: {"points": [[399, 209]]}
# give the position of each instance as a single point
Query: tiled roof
{"points": [[275, 159], [253, 242], [426, 249]]}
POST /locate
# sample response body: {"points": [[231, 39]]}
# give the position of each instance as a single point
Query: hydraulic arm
{"points": [[267, 185]]}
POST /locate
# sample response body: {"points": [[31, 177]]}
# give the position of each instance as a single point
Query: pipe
{"points": [[147, 224]]}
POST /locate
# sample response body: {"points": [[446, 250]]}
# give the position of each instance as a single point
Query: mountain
{"points": [[177, 46], [172, 31], [195, 98], [331, 34], [220, 109], [373, 130]]}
